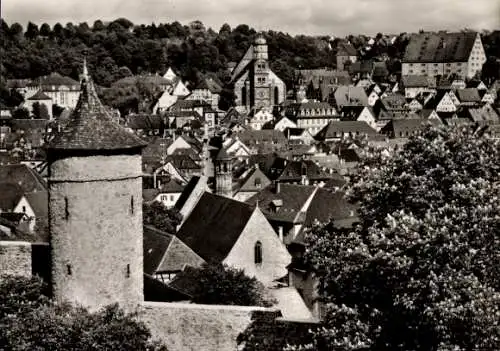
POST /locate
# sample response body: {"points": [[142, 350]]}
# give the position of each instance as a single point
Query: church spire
{"points": [[85, 73]]}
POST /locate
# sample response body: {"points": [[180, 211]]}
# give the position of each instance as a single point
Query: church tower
{"points": [[261, 84], [95, 208], [224, 174]]}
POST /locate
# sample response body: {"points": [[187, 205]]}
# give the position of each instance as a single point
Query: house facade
{"points": [[64, 91]]}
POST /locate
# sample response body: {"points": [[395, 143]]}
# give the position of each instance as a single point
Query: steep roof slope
{"points": [[214, 226], [91, 127], [439, 47]]}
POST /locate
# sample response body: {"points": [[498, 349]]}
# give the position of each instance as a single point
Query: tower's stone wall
{"points": [[95, 218]]}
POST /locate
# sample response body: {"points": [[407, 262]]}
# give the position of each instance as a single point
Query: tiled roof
{"points": [[10, 195], [214, 226], [403, 127], [155, 244], [468, 95], [54, 79], [146, 122], [28, 179], [485, 114], [188, 104], [149, 194], [183, 162], [146, 78], [329, 204], [210, 84], [346, 49], [348, 95], [293, 198], [415, 81], [334, 129], [39, 202], [295, 169], [91, 128], [439, 47], [251, 137], [40, 95]]}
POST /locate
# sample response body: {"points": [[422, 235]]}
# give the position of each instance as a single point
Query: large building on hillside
{"points": [[255, 84], [444, 53], [63, 91]]}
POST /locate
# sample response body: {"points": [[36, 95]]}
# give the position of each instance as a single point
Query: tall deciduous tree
{"points": [[422, 269]]}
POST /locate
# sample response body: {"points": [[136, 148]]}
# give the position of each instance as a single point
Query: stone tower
{"points": [[261, 86], [224, 174], [95, 208]]}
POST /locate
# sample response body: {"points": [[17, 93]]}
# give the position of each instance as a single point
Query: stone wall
{"points": [[15, 258], [95, 217], [190, 327]]}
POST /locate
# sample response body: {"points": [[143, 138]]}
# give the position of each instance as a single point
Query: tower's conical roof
{"points": [[91, 128]]}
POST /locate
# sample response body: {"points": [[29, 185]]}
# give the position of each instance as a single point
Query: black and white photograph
{"points": [[250, 175]]}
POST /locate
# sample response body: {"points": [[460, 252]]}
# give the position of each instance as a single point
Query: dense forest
{"points": [[120, 48]]}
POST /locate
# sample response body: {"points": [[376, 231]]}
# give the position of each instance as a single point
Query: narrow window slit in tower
{"points": [[128, 270], [68, 268], [131, 205], [66, 211]]}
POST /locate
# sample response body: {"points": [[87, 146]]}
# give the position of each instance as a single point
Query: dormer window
{"points": [[258, 253]]}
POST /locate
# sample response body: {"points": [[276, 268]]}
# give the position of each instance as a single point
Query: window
{"points": [[24, 208], [276, 96], [258, 252], [171, 197], [66, 210], [68, 269], [128, 271], [131, 205]]}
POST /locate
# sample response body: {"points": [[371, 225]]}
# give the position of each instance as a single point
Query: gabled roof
{"points": [[439, 47], [485, 114], [292, 196], [250, 137], [10, 195], [295, 169], [22, 175], [254, 180], [468, 95], [415, 81], [214, 226], [210, 84], [91, 128], [334, 128], [346, 49], [39, 202], [54, 79], [403, 127], [40, 95], [146, 121], [348, 95], [329, 204], [155, 244]]}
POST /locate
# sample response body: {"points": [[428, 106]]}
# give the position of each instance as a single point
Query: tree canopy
{"points": [[29, 320], [159, 216], [218, 284], [422, 269]]}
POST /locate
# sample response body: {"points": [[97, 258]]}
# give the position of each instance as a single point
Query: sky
{"points": [[312, 17]]}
